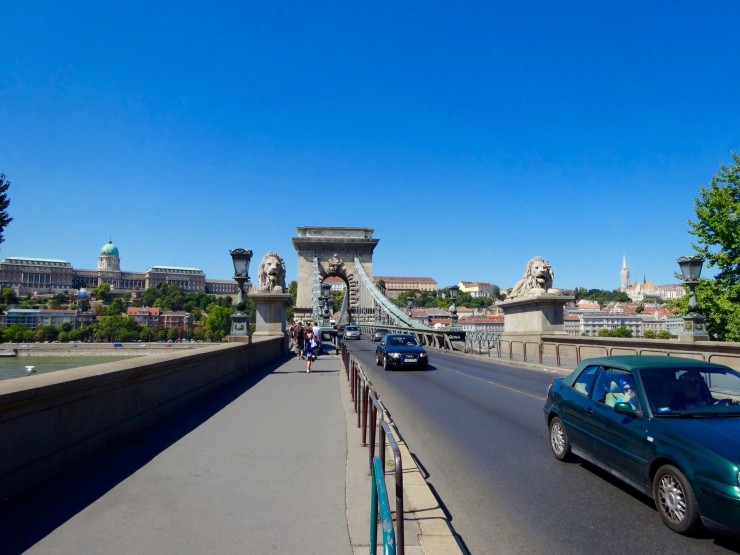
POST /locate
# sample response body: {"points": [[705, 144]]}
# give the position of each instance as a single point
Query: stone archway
{"points": [[335, 249]]}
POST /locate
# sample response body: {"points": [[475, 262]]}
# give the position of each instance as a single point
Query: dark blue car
{"points": [[400, 350]]}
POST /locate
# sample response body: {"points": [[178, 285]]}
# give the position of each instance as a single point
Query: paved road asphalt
{"points": [[270, 464]]}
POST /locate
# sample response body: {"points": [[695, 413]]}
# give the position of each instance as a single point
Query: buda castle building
{"points": [[47, 276]]}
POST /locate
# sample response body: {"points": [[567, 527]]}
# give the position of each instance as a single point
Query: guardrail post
{"points": [[365, 394], [399, 485], [379, 501]]}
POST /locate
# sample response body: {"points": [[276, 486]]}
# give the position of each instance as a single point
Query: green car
{"points": [[668, 426]]}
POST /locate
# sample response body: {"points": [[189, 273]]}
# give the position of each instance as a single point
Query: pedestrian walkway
{"points": [[258, 467], [272, 463]]}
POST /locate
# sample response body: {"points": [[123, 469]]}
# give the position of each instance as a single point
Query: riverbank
{"points": [[52, 357], [98, 349]]}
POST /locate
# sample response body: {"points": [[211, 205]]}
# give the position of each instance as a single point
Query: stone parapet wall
{"points": [[52, 421]]}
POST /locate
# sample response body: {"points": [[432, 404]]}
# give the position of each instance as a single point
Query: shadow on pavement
{"points": [[30, 516]]}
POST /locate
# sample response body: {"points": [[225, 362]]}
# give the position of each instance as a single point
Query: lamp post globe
{"points": [[239, 320], [691, 271], [325, 300], [693, 321], [454, 290]]}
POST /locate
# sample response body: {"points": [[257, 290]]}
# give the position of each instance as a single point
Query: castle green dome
{"points": [[109, 249]]}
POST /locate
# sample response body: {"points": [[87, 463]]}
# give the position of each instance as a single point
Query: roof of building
{"points": [[109, 249], [142, 310], [35, 261], [397, 278], [175, 269]]}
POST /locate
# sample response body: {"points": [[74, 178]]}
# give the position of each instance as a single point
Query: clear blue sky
{"points": [[471, 136]]}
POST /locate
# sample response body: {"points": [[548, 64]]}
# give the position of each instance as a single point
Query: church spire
{"points": [[624, 275]]}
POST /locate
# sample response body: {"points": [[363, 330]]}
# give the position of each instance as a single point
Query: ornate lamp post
{"points": [[454, 289], [693, 321], [410, 304], [240, 320], [325, 296]]}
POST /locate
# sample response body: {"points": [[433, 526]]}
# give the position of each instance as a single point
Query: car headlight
{"points": [[395, 355], [422, 355]]}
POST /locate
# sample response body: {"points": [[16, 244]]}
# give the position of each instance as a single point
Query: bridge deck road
{"points": [[478, 429], [257, 467]]}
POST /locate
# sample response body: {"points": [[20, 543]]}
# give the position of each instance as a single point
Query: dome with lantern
{"points": [[109, 259], [109, 249]]}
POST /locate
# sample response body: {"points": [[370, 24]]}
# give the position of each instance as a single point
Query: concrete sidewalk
{"points": [[270, 464]]}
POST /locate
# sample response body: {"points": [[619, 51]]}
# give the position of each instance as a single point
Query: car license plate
{"points": [[410, 360]]}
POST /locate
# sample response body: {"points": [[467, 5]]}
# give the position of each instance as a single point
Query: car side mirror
{"points": [[626, 409]]}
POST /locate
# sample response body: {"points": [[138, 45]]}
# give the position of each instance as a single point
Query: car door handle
{"points": [[589, 411]]}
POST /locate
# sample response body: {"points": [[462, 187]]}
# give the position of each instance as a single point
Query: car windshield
{"points": [[692, 391], [402, 341]]}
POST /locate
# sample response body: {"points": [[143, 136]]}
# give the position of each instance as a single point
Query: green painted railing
{"points": [[379, 502]]}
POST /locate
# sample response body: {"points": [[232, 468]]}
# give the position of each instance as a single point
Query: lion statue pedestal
{"points": [[534, 308], [271, 311], [271, 298]]}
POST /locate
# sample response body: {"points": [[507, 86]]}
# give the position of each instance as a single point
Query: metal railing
{"points": [[568, 353], [379, 503], [371, 417]]}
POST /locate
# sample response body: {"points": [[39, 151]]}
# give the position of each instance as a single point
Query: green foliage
{"points": [[15, 333], [172, 297], [58, 300], [720, 305], [717, 224], [619, 332], [717, 230], [601, 296], [102, 293], [338, 300], [217, 324], [118, 306], [466, 299], [662, 334], [118, 328], [8, 296], [5, 219]]}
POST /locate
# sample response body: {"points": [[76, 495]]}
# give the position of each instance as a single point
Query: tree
{"points": [[218, 322], [102, 293], [601, 296], [621, 331], [8, 296], [58, 300], [4, 203], [717, 229]]}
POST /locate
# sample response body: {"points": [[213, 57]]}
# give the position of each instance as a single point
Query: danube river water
{"points": [[15, 367]]}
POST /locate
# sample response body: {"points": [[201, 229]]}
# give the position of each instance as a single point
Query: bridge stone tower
{"points": [[335, 249]]}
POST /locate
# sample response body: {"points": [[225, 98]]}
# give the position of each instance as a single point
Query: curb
{"points": [[427, 530]]}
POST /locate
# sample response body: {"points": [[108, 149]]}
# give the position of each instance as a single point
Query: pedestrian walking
{"points": [[300, 339], [310, 349], [316, 330]]}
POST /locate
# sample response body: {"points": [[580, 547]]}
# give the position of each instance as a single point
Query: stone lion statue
{"points": [[538, 276], [271, 273]]}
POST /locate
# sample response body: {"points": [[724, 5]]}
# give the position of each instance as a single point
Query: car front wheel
{"points": [[386, 366], [675, 500], [559, 443]]}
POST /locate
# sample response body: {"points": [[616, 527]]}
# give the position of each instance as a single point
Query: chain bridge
{"points": [[346, 253]]}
